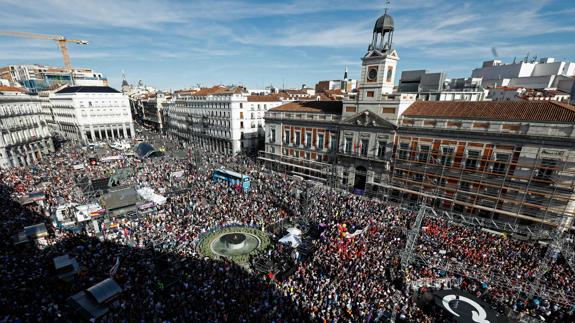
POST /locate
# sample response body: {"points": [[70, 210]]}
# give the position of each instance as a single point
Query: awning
{"points": [[120, 199], [86, 306], [36, 231], [104, 290]]}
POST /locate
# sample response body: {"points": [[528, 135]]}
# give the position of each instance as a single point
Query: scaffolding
{"points": [[409, 256], [500, 185]]}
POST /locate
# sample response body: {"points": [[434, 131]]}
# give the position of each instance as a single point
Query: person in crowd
{"points": [[355, 273]]}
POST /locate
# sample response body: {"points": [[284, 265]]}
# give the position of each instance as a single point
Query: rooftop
{"points": [[12, 89], [328, 107], [265, 98], [537, 111], [220, 89], [88, 89]]}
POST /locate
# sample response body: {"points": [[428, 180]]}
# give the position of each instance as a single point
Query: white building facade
{"points": [[225, 119], [37, 78], [542, 74], [25, 137], [91, 113]]}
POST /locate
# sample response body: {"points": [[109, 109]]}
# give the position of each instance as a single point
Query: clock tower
{"points": [[379, 63]]}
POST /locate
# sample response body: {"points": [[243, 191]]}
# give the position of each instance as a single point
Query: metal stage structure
{"points": [[428, 202], [555, 245]]}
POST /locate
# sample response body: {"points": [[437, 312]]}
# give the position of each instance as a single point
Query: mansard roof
{"points": [[327, 107], [88, 89], [536, 111]]}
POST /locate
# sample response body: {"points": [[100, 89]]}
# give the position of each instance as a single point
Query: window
{"points": [[348, 143], [465, 186], [364, 147], [472, 160], [286, 137], [500, 164], [241, 115], [423, 153], [273, 135], [320, 141], [546, 170], [381, 149], [370, 94], [403, 150], [350, 108], [308, 139], [297, 138], [447, 156], [333, 141], [389, 74], [241, 125]]}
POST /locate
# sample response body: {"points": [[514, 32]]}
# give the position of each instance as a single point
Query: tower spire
{"points": [[124, 81], [345, 74]]}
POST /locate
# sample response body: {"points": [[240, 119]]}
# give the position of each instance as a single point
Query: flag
{"points": [[114, 268]]}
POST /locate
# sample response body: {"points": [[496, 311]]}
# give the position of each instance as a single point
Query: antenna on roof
{"points": [[387, 3], [494, 52]]}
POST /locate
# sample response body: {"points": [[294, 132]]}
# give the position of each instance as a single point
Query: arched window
{"points": [[389, 74]]}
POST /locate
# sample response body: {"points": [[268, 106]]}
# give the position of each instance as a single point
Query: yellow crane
{"points": [[61, 40]]}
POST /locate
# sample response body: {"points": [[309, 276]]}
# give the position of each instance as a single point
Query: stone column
{"points": [[92, 132], [132, 132]]}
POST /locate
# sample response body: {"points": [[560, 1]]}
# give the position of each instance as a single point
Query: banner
{"points": [[465, 307], [177, 174]]}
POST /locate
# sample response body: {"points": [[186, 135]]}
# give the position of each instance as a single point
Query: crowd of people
{"points": [[355, 273]]}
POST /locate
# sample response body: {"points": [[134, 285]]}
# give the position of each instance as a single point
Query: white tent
{"points": [[148, 194], [293, 240], [294, 231]]}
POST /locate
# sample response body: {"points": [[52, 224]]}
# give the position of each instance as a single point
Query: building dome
{"points": [[383, 24]]}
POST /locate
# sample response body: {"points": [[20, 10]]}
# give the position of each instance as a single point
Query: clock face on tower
{"points": [[372, 74]]}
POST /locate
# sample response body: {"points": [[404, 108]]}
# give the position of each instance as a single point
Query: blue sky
{"points": [[177, 44]]}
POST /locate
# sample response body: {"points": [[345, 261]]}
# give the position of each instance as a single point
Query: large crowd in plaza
{"points": [[354, 275]]}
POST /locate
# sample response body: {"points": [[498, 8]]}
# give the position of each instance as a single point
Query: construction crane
{"points": [[61, 40]]}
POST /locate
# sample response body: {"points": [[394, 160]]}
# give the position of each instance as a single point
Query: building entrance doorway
{"points": [[360, 178]]}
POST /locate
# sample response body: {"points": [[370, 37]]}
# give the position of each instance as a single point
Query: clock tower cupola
{"points": [[380, 61]]}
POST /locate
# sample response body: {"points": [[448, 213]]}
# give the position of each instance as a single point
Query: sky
{"points": [[180, 44]]}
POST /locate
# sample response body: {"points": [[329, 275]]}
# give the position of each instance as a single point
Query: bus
{"points": [[233, 178]]}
